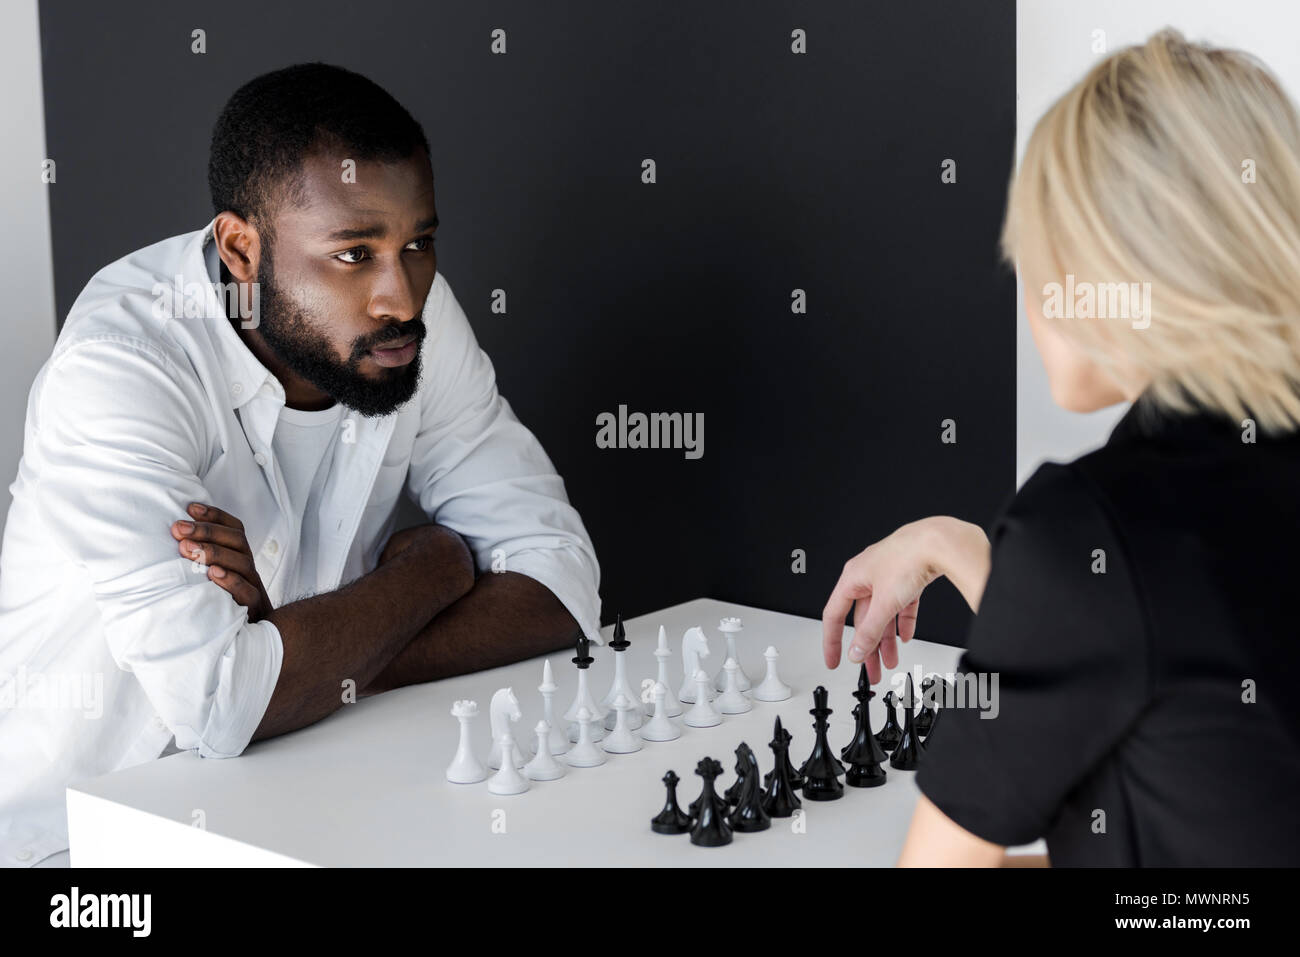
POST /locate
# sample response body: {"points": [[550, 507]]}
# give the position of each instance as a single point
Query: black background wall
{"points": [[776, 171]]}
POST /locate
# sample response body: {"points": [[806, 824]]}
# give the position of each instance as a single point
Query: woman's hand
{"points": [[887, 579], [219, 542]]}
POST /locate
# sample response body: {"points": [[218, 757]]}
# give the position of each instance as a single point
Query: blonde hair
{"points": [[1138, 175]]}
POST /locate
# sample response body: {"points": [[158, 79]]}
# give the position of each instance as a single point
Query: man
{"points": [[199, 553]]}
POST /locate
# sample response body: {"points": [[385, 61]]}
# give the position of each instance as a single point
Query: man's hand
{"points": [[217, 539]]}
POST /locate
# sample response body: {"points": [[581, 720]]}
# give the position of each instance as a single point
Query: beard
{"points": [[295, 338]]}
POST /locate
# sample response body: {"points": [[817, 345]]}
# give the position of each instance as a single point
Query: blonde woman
{"points": [[1136, 606]]}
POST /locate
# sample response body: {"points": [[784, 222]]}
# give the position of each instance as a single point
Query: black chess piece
{"points": [[710, 828], [732, 794], [907, 756], [821, 771], [863, 753], [779, 799], [749, 814], [889, 736], [583, 660], [926, 714], [619, 642], [671, 820], [933, 724]]}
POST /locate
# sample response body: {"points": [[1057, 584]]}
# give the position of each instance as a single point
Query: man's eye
{"points": [[422, 244], [358, 251]]}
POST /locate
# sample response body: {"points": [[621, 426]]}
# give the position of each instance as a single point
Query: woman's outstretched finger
{"points": [[907, 620]]}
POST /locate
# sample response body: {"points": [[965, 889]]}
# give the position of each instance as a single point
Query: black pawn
{"points": [[779, 799], [821, 771], [710, 828], [907, 756], [583, 660], [671, 820], [749, 815], [926, 714], [889, 736]]}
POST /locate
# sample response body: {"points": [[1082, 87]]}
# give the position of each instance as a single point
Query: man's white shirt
{"points": [[111, 643]]}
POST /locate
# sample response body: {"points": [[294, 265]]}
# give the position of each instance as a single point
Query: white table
{"points": [[365, 786]]}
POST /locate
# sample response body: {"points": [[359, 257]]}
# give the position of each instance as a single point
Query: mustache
{"points": [[414, 327]]}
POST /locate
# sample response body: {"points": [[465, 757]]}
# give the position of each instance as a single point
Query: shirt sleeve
{"points": [[477, 470], [117, 446], [1061, 650]]}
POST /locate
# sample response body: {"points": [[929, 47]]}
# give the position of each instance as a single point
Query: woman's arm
{"points": [[935, 840]]}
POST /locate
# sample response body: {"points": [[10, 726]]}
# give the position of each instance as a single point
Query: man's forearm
{"points": [[355, 631], [506, 617]]}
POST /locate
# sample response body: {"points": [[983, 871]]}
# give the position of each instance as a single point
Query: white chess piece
{"points": [[465, 767], [730, 627], [543, 766], [661, 727], [508, 780], [636, 712], [771, 688], [504, 709], [583, 699], [702, 713], [695, 648], [624, 738], [585, 754], [732, 700], [557, 742], [670, 700]]}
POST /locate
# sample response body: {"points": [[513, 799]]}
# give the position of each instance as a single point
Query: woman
{"points": [[1135, 605]]}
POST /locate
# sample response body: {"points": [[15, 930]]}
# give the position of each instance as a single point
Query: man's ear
{"points": [[238, 245]]}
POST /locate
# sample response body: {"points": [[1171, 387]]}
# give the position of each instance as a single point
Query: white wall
{"points": [[26, 271], [1053, 51]]}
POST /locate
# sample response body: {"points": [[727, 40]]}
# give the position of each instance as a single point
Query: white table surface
{"points": [[366, 786]]}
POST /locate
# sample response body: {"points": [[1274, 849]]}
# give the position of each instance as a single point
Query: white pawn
{"points": [[508, 780], [661, 727], [465, 767], [702, 713], [730, 627], [771, 688], [557, 740], [732, 700], [543, 766], [623, 739], [584, 753], [663, 654]]}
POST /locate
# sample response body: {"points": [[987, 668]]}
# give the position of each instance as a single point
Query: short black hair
{"points": [[274, 122]]}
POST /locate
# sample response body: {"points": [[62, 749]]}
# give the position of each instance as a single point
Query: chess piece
{"points": [[584, 753], [465, 767], [771, 688], [672, 819], [543, 766], [907, 756], [749, 815], [557, 741], [695, 648], [583, 698], [730, 627], [636, 712], [731, 701], [863, 754], [661, 727], [934, 723], [926, 714], [622, 739], [702, 713], [504, 709], [663, 654], [508, 780], [889, 736], [821, 771], [709, 827], [779, 799]]}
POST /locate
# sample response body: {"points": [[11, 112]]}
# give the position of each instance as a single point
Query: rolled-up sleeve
{"points": [[476, 469], [120, 439]]}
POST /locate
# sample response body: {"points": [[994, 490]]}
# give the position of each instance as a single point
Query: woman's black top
{"points": [[1141, 619]]}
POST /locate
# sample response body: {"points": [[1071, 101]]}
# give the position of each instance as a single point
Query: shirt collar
{"points": [[245, 373]]}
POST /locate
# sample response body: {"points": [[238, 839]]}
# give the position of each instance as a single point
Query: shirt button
{"points": [[236, 388], [24, 855], [272, 547], [259, 458]]}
